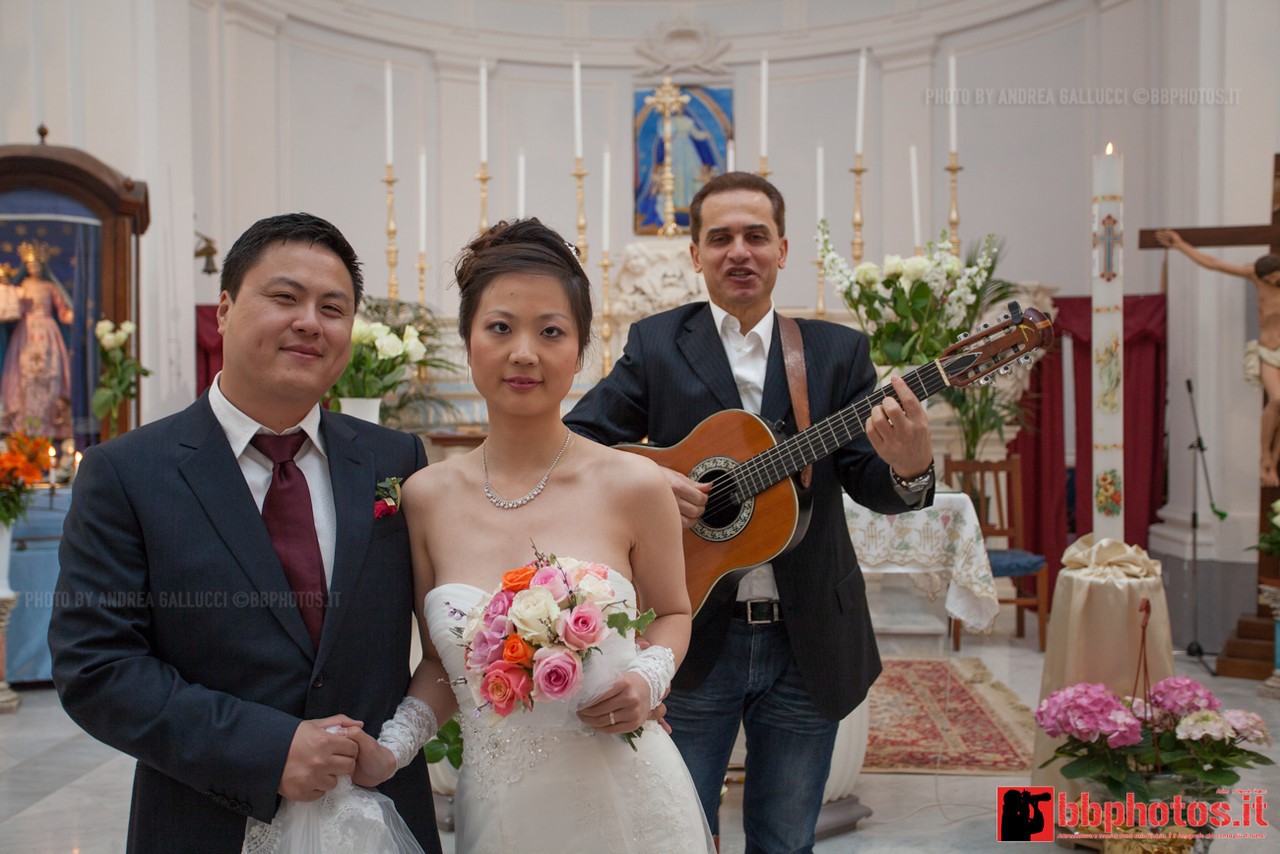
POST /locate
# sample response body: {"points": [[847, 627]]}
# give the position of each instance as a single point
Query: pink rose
{"points": [[499, 605], [486, 646], [504, 684], [552, 578], [582, 570], [583, 627], [556, 675]]}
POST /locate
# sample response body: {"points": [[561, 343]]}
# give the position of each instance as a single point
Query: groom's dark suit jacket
{"points": [[672, 375], [174, 638]]}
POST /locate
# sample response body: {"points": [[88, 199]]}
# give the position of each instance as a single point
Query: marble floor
{"points": [[63, 792]]}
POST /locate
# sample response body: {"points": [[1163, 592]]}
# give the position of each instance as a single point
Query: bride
{"points": [[558, 776]]}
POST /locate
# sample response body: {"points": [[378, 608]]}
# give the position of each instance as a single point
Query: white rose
{"points": [[103, 327], [867, 273], [377, 330], [389, 346], [415, 350], [360, 331], [475, 617], [892, 265], [411, 334], [119, 339], [915, 268], [128, 328], [533, 612], [596, 589]]}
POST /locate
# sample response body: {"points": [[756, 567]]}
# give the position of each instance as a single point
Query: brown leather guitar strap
{"points": [[793, 356]]}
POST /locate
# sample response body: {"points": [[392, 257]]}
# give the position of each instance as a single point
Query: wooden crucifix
{"points": [[1265, 276]]}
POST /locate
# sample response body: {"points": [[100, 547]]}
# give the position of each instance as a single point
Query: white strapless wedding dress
{"points": [[534, 782]]}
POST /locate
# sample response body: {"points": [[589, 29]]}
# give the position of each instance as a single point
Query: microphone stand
{"points": [[1197, 449]]}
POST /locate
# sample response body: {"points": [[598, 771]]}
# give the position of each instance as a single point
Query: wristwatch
{"points": [[912, 490]]}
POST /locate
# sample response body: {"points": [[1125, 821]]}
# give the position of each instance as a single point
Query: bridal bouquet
{"points": [[530, 640], [1178, 734]]}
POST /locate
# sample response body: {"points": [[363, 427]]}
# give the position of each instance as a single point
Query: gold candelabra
{"points": [[578, 174], [606, 329], [668, 101], [953, 217], [393, 255], [483, 177], [422, 278], [857, 169], [764, 171], [821, 310]]}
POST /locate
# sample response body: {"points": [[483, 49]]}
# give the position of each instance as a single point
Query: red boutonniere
{"points": [[387, 498]]}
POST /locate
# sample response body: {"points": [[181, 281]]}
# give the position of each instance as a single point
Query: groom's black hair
{"points": [[302, 227]]}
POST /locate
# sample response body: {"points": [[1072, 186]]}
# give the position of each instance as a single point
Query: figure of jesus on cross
{"points": [[1265, 276]]}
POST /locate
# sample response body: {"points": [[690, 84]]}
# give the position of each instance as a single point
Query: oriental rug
{"points": [[946, 716]]}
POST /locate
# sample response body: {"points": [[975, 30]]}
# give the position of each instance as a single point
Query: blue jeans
{"points": [[756, 682]]}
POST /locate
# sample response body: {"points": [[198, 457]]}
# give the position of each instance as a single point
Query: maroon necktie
{"points": [[286, 511]]}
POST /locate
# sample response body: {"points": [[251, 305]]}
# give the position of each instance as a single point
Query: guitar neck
{"points": [[821, 440]]}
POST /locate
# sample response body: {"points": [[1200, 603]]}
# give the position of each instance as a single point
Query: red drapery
{"points": [[208, 347], [1042, 448]]}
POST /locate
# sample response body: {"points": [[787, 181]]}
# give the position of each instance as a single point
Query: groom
{"points": [[195, 629]]}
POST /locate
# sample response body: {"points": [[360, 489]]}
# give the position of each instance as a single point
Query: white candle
{"points": [[821, 200], [422, 199], [520, 184], [484, 112], [764, 105], [915, 199], [953, 96], [604, 203], [729, 164], [386, 88], [1108, 173], [862, 99], [577, 107]]}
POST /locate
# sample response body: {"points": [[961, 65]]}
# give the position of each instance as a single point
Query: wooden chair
{"points": [[996, 490]]}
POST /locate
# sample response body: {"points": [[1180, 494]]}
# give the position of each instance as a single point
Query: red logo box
{"points": [[1024, 814]]}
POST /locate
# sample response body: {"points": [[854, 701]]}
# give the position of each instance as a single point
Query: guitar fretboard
{"points": [[823, 438]]}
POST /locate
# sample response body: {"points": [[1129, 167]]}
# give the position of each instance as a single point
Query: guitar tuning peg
{"points": [[1026, 359], [1005, 370], [984, 327], [961, 337]]}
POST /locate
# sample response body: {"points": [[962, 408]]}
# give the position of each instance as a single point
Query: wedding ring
{"points": [[612, 720], [890, 420]]}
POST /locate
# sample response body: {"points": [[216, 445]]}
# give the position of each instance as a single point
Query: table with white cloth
{"points": [[939, 545]]}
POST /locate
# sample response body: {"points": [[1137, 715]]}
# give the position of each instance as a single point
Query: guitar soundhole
{"points": [[725, 517]]}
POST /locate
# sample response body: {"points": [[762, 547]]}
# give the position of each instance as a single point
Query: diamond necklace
{"points": [[503, 504]]}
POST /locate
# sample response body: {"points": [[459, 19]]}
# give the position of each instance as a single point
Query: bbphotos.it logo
{"points": [[1024, 814]]}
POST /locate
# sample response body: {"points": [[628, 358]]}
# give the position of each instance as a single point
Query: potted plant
{"points": [[119, 373], [393, 345]]}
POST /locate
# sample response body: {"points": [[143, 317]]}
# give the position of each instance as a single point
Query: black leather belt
{"points": [[758, 611]]}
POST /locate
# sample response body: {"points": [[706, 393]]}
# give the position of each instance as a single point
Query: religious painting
{"points": [[49, 256], [1107, 358], [700, 136], [1108, 493]]}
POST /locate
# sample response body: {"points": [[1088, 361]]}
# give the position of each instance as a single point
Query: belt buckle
{"points": [[772, 616]]}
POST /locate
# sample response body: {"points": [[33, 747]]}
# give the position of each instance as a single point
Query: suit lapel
{"points": [[775, 403], [701, 346], [352, 474], [213, 474]]}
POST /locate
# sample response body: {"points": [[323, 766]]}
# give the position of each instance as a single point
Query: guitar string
{"points": [[795, 452]]}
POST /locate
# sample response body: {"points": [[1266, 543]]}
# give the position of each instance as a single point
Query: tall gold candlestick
{"points": [[393, 283], [953, 218], [764, 171], [821, 310], [578, 174], [857, 169], [606, 329], [483, 177], [422, 278], [668, 101]]}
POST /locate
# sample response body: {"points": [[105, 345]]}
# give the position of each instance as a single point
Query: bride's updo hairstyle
{"points": [[524, 246]]}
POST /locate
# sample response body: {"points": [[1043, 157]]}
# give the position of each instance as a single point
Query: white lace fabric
{"points": [[411, 727], [657, 666], [347, 820]]}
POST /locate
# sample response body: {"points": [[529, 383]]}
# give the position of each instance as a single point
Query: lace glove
{"points": [[412, 726], [657, 665]]}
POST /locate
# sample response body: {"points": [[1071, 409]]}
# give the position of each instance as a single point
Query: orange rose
{"points": [[516, 580], [517, 651]]}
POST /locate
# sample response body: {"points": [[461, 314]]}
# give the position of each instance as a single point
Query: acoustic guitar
{"points": [[754, 510]]}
